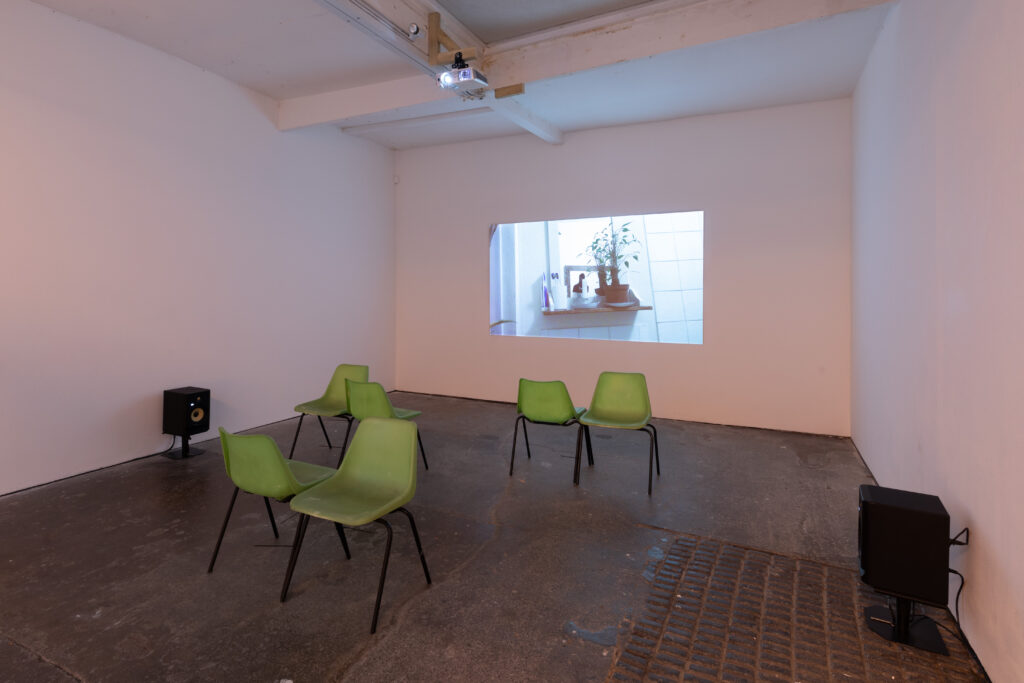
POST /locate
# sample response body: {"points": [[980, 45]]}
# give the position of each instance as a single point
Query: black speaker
{"points": [[904, 544], [903, 540], [186, 411]]}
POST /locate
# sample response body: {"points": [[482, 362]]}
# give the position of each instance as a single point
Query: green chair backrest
{"points": [[367, 399], [545, 401], [381, 458], [255, 464], [622, 396], [336, 388]]}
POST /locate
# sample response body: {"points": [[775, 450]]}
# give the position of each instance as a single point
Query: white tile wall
{"points": [[672, 332], [695, 331], [593, 333], [668, 306], [569, 332], [664, 222], [693, 304], [661, 247], [689, 245], [691, 274], [676, 247], [665, 275]]}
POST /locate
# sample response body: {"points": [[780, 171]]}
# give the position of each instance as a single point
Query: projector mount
{"points": [[468, 82]]}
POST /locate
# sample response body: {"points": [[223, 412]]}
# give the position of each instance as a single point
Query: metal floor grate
{"points": [[721, 612]]}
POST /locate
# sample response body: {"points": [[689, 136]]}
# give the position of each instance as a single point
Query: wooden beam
{"points": [[646, 30], [527, 120], [388, 21], [509, 91], [437, 38], [636, 33]]}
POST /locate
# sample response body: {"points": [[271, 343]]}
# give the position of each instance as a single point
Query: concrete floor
{"points": [[104, 575]]}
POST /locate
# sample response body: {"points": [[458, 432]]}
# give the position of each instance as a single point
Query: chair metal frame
{"points": [[300, 533]]}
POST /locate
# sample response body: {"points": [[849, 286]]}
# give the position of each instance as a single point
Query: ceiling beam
{"points": [[389, 20], [453, 117], [645, 31], [630, 34], [511, 110]]}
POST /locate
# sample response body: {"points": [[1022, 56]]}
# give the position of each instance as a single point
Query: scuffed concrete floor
{"points": [[104, 575]]}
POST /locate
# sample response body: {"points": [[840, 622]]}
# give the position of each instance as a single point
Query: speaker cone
{"points": [[197, 414]]}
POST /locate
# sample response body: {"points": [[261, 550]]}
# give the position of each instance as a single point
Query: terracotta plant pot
{"points": [[616, 294]]}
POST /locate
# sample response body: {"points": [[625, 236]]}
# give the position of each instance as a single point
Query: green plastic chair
{"points": [[368, 399], [621, 402], [377, 477], [333, 403], [546, 403], [255, 464]]}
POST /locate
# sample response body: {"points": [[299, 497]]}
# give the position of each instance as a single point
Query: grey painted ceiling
{"points": [[291, 48], [495, 20]]}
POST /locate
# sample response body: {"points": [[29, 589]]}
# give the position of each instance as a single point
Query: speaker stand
{"points": [[920, 632], [184, 451]]}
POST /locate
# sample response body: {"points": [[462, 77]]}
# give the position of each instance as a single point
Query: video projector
{"points": [[466, 79]]}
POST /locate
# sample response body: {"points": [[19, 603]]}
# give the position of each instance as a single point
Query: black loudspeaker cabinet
{"points": [[186, 411], [904, 544]]}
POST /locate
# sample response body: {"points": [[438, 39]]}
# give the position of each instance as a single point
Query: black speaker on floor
{"points": [[904, 543], [186, 412]]}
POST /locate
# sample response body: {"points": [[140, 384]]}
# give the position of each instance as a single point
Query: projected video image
{"points": [[626, 278]]}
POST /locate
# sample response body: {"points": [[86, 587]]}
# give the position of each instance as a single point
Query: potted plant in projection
{"points": [[613, 249]]}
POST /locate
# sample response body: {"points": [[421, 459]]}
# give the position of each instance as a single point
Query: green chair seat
{"points": [[368, 399], [406, 414], [545, 403], [334, 402], [621, 401], [255, 465], [612, 422], [307, 474], [350, 503], [323, 407], [377, 477]]}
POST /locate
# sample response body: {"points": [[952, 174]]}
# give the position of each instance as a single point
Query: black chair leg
{"points": [[296, 439], [590, 449], [324, 429], [515, 438], [526, 437], [344, 446], [419, 546], [579, 454], [344, 541], [423, 453], [650, 463], [383, 574], [270, 513], [300, 532], [223, 528], [657, 455]]}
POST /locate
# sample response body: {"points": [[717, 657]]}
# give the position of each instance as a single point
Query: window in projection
{"points": [[627, 278]]}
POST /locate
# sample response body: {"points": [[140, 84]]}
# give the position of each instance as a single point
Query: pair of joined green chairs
{"points": [[620, 401], [351, 396], [377, 477]]}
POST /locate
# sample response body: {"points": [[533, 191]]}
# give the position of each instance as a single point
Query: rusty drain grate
{"points": [[718, 612]]}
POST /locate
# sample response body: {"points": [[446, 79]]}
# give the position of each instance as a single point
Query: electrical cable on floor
{"points": [[168, 449], [958, 592]]}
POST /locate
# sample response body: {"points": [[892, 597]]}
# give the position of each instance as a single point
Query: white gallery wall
{"points": [[938, 324], [775, 186], [157, 231]]}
